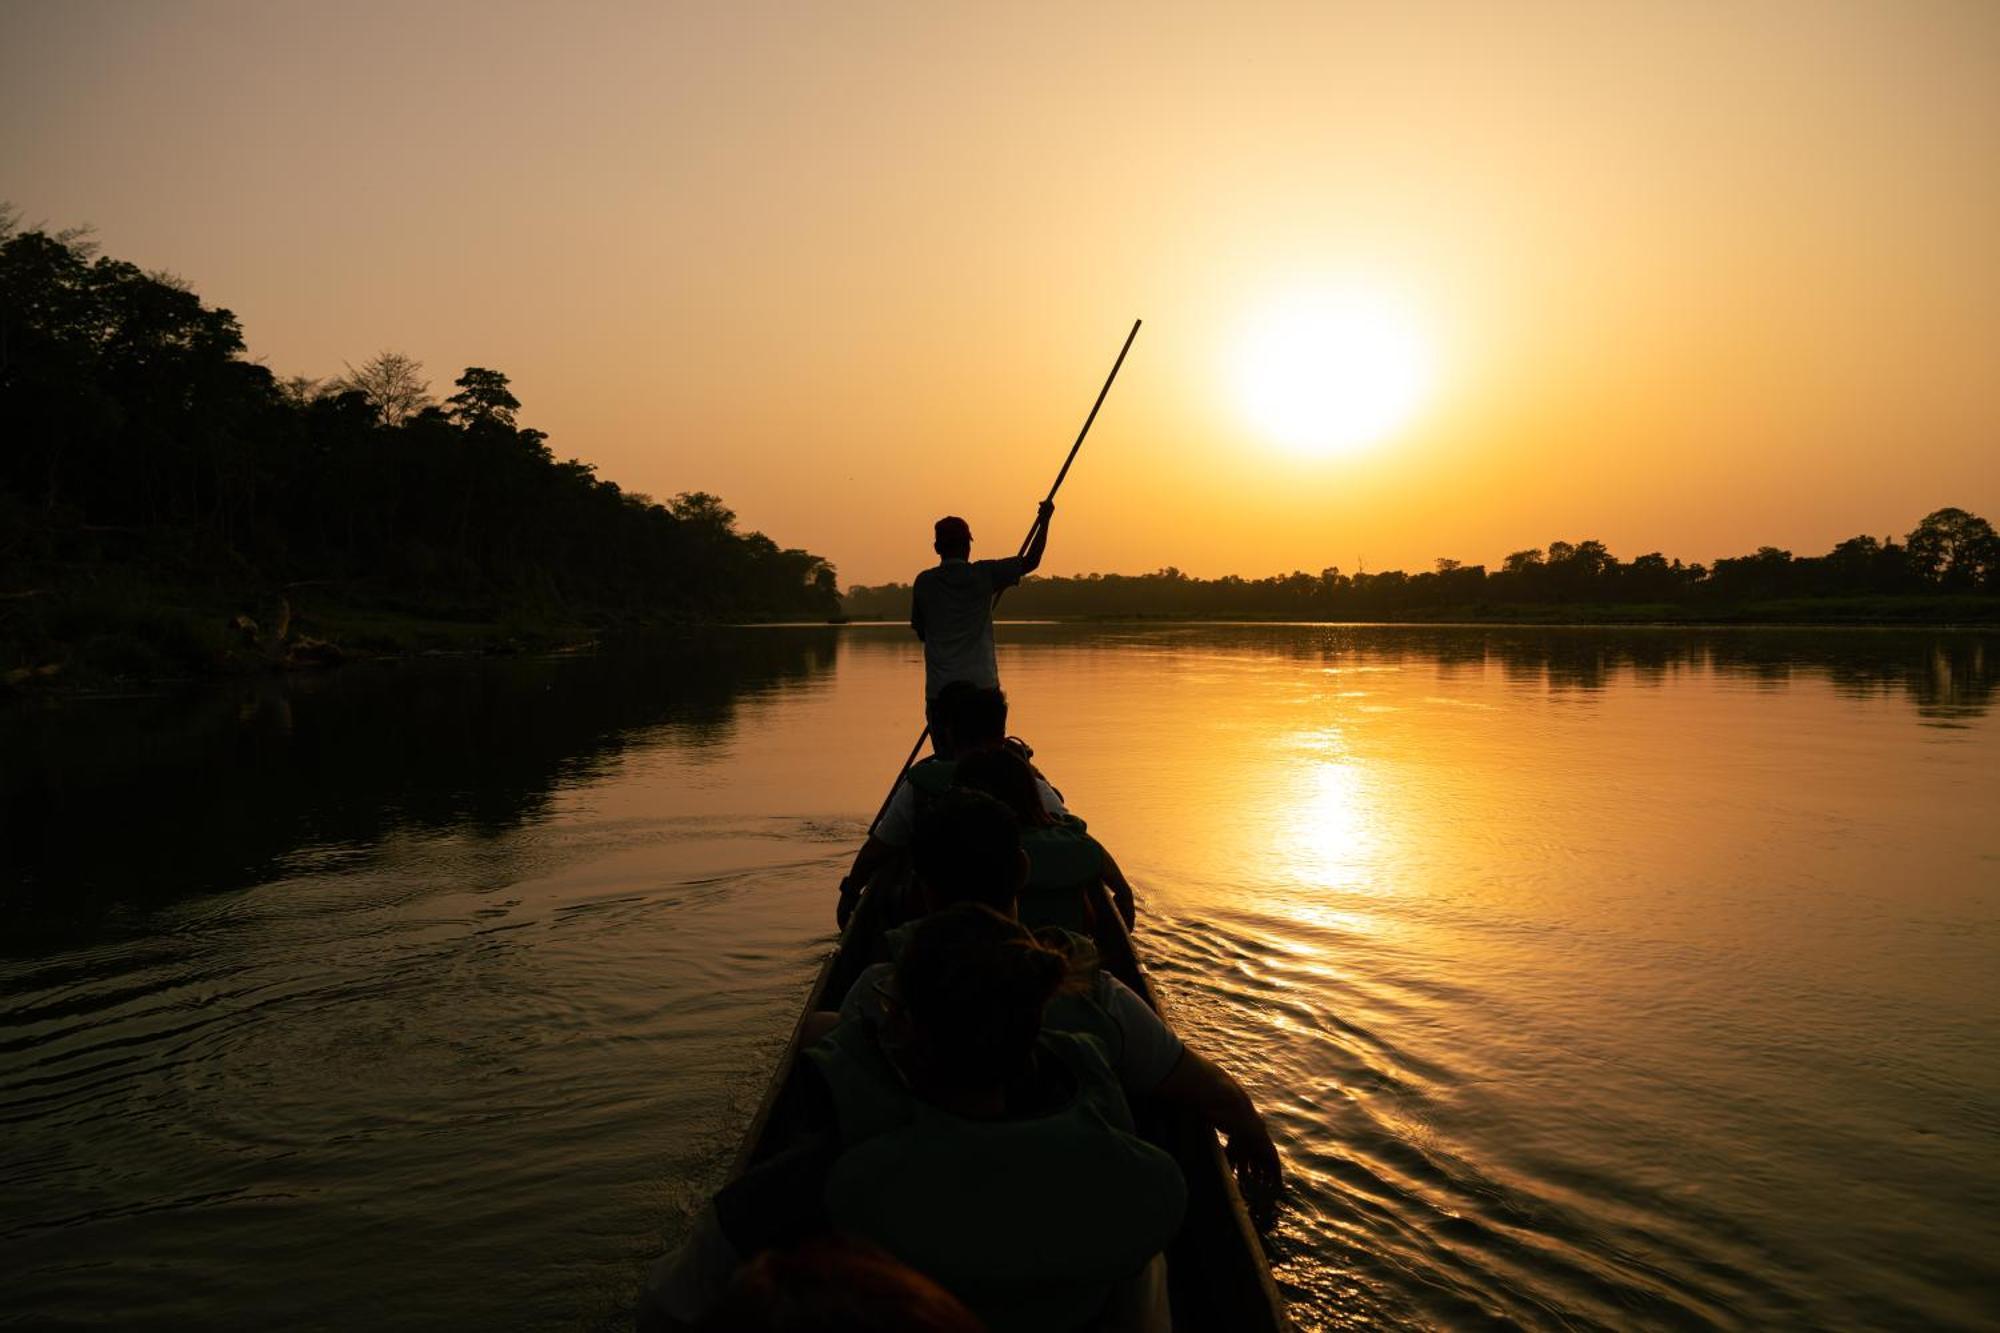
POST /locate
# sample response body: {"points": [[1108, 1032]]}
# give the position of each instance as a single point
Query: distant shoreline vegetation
{"points": [[170, 507], [1947, 570]]}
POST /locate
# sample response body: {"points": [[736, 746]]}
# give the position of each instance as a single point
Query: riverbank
{"points": [[121, 630], [1941, 611], [124, 631]]}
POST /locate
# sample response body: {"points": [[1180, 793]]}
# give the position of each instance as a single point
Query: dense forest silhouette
{"points": [[1948, 567], [147, 460]]}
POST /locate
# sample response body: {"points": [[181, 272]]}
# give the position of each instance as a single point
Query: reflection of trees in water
{"points": [[1946, 674], [106, 801], [1949, 678]]}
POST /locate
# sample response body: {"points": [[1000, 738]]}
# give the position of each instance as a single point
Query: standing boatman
{"points": [[951, 605], [951, 609]]}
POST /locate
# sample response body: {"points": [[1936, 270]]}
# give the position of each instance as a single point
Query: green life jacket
{"points": [[1063, 863], [1030, 1222]]}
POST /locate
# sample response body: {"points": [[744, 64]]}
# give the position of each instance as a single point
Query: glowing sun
{"points": [[1332, 372]]}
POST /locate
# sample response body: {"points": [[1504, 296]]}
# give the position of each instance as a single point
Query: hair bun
{"points": [[1036, 972]]}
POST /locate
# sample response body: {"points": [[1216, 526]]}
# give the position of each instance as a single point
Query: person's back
{"points": [[1009, 1123], [984, 1205], [951, 605], [953, 602]]}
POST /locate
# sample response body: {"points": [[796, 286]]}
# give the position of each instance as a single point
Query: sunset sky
{"points": [[1689, 277]]}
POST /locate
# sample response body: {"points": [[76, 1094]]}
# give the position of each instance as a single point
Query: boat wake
{"points": [[1401, 1212]]}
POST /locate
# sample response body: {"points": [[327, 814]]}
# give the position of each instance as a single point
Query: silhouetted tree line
{"points": [[1950, 551], [134, 430]]}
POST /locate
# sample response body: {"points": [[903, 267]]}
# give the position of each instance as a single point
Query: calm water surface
{"points": [[1590, 978]]}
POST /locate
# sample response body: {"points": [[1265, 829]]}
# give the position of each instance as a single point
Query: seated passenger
{"points": [[1009, 1123], [1064, 862], [974, 719], [969, 851], [1010, 1119]]}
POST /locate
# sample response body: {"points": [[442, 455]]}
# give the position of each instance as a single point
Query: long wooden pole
{"points": [[1026, 542]]}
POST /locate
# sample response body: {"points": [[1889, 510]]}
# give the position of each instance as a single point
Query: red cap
{"points": [[953, 528]]}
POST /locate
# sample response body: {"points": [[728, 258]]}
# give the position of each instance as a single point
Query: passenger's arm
{"points": [[916, 613], [890, 836], [1121, 890], [874, 854], [1033, 558], [1208, 1090], [1152, 1061]]}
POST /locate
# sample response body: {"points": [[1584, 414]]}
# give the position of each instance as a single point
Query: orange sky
{"points": [[1696, 276]]}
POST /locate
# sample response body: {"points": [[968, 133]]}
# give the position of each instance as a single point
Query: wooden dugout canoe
{"points": [[1219, 1277]]}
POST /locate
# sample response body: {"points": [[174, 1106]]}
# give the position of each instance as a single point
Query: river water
{"points": [[1590, 978]]}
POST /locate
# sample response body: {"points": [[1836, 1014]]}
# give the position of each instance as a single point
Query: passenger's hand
{"points": [[849, 896], [1258, 1172]]}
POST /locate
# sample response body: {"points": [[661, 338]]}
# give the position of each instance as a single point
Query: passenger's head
{"points": [[976, 717], [954, 538], [971, 984], [967, 849], [835, 1284], [1006, 777], [949, 700]]}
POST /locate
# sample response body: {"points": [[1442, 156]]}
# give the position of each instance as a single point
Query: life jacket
{"points": [[1030, 1222], [1064, 861]]}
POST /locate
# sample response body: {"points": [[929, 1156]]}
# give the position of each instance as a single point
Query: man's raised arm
{"points": [[1033, 558]]}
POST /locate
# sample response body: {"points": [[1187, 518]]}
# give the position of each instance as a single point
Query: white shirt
{"points": [[951, 609]]}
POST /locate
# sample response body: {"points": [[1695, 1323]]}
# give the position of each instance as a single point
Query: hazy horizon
{"points": [[1690, 282]]}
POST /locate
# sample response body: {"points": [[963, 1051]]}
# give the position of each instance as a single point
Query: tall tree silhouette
{"points": [[483, 399], [393, 384], [1954, 549]]}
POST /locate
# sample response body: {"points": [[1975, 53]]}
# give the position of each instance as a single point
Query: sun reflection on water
{"points": [[1328, 835]]}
